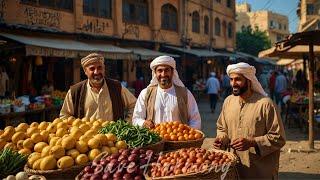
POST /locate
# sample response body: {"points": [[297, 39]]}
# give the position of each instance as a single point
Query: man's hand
{"points": [[217, 143], [148, 124], [243, 144]]}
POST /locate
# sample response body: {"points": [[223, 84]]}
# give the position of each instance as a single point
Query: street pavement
{"points": [[208, 119]]}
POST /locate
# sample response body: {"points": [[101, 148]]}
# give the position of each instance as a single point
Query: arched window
{"points": [[230, 30], [169, 17], [195, 22], [217, 27], [135, 11], [206, 25]]}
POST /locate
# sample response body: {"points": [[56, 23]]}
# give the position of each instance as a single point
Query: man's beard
{"points": [[238, 91], [164, 81], [97, 79]]}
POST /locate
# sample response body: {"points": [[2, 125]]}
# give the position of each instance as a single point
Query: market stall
{"points": [[298, 46]]}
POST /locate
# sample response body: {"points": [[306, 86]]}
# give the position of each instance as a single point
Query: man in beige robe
{"points": [[97, 97], [250, 125]]}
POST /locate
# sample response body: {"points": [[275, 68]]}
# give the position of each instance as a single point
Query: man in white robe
{"points": [[166, 98]]}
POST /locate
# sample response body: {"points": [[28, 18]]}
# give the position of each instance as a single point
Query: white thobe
{"points": [[166, 108]]}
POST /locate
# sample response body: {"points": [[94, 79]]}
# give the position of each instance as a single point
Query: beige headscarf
{"points": [[91, 58], [164, 60], [248, 72]]}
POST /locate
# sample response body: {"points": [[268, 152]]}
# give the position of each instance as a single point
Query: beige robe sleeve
{"points": [[222, 128], [129, 102], [275, 138], [67, 107]]}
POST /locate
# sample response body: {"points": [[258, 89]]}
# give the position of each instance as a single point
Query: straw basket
{"points": [[69, 173], [157, 147], [214, 174], [174, 145]]}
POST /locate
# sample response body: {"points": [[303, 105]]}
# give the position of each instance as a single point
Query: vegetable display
{"points": [[11, 162], [127, 164], [134, 136], [185, 161], [176, 131]]}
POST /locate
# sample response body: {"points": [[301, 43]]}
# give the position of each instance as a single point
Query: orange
{"points": [[169, 130], [166, 137], [176, 123], [174, 138], [179, 134], [181, 138], [191, 137], [198, 136], [175, 131], [181, 126], [185, 132]]}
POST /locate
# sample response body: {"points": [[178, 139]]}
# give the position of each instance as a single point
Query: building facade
{"points": [[308, 12], [275, 25], [68, 30]]}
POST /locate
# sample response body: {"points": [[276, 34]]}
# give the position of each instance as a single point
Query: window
{"points": [[206, 24], [135, 11], [271, 24], [55, 4], [195, 22], [285, 27], [99, 8], [279, 37], [280, 26], [169, 17], [310, 9], [217, 27], [229, 3], [230, 30]]}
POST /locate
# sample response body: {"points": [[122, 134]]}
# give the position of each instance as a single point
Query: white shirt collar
{"points": [[165, 90]]}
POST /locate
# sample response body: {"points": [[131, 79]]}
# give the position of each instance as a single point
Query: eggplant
{"points": [[95, 177]]}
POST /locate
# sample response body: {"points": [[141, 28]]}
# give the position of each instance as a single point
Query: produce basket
{"points": [[213, 173], [157, 147], [174, 145], [69, 173]]}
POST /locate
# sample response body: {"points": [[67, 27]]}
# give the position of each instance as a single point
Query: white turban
{"points": [[248, 72], [164, 60]]}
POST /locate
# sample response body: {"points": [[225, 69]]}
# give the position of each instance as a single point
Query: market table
{"points": [[47, 113]]}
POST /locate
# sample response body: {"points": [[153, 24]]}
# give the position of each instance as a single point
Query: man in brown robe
{"points": [[250, 125]]}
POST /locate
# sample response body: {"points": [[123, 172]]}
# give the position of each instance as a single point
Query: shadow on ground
{"points": [[297, 175]]}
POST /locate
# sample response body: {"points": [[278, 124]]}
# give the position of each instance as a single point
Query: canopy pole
{"points": [[311, 104]]}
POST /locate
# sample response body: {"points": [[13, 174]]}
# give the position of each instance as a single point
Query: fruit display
{"points": [[186, 161], [176, 131], [60, 144], [127, 164], [134, 136], [59, 94], [11, 162]]}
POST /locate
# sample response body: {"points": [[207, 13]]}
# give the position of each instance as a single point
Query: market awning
{"points": [[147, 54], [67, 48], [283, 62], [291, 53], [256, 59], [198, 52]]}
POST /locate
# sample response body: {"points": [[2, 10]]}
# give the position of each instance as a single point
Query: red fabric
{"points": [[138, 86], [272, 82]]}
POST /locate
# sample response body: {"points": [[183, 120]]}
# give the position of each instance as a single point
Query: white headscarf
{"points": [[248, 72], [164, 60]]}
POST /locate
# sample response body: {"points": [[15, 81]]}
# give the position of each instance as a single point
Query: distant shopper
{"points": [[213, 88]]}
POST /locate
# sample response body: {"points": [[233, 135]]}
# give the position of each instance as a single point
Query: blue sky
{"points": [[284, 7]]}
